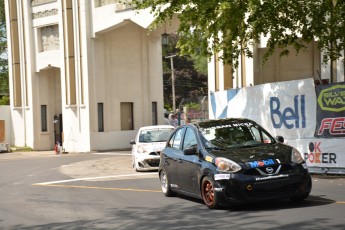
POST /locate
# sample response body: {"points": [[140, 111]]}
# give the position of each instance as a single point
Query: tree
{"points": [[3, 39], [4, 81], [189, 73], [232, 27]]}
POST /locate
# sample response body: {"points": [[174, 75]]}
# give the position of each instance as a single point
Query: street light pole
{"points": [[172, 80]]}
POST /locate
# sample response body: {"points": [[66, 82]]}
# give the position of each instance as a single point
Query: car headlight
{"points": [[141, 149], [226, 165], [296, 156]]}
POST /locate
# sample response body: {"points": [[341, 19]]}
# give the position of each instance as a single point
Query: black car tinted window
{"points": [[260, 136], [234, 134], [189, 139], [175, 141]]}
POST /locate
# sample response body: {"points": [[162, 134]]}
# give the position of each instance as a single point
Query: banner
{"points": [[317, 152], [330, 111], [283, 108]]}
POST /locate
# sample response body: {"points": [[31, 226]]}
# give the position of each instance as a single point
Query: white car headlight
{"points": [[226, 165], [296, 156], [141, 149]]}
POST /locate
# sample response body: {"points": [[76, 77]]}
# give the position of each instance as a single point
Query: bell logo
{"points": [[288, 117]]}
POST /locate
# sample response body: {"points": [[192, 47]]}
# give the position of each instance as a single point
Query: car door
{"points": [[189, 165], [172, 154]]}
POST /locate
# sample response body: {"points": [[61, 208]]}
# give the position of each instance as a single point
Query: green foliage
{"points": [[168, 106], [3, 39], [4, 100], [200, 63], [21, 149], [192, 105], [190, 82], [4, 81], [234, 26]]}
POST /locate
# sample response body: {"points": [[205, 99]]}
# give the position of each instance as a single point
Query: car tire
{"points": [[302, 196], [299, 197], [163, 177], [135, 165], [208, 194]]}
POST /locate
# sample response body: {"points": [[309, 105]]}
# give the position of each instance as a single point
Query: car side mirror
{"points": [[190, 151], [280, 139], [132, 142]]}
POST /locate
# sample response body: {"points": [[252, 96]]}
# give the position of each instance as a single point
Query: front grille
{"points": [[262, 191], [268, 192], [155, 153], [153, 162], [285, 169]]}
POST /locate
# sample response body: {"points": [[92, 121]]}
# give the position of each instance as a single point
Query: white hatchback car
{"points": [[148, 143]]}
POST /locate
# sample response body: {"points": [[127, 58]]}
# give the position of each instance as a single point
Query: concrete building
{"points": [[306, 64], [86, 74]]}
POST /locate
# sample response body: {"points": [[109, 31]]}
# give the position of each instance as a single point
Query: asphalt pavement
{"points": [[111, 165]]}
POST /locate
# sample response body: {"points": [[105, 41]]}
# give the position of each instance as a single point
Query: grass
{"points": [[20, 149]]}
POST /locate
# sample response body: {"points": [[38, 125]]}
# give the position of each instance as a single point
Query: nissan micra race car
{"points": [[146, 147], [232, 161]]}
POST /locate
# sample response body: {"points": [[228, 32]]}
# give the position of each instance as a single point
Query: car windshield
{"points": [[155, 135], [235, 135]]}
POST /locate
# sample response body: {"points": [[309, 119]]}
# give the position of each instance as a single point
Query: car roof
{"points": [[157, 127], [212, 122]]}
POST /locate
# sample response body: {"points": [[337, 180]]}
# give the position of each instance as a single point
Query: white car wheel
{"points": [[165, 184], [135, 165]]}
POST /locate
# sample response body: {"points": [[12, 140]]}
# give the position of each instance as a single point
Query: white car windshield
{"points": [[155, 135]]}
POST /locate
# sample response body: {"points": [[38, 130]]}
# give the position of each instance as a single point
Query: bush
{"points": [[5, 100]]}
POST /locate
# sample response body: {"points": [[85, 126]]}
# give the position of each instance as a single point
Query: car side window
{"points": [[189, 139], [259, 134], [256, 133], [171, 141], [175, 140]]}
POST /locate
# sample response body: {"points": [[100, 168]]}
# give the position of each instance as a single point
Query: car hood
{"points": [[278, 153], [153, 146]]}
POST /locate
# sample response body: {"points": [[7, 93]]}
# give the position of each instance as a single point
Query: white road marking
{"points": [[93, 178], [113, 154]]}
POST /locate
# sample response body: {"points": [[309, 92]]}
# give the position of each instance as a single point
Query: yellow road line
{"points": [[129, 189], [93, 187], [326, 201]]}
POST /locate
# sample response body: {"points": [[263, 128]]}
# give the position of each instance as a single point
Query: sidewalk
{"points": [[111, 165], [4, 155], [24, 154]]}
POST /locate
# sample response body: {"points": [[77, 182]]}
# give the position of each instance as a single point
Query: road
{"points": [[102, 191]]}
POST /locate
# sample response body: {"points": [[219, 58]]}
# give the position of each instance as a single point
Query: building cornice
{"points": [[41, 2], [46, 13]]}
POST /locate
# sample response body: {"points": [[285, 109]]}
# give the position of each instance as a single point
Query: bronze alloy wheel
{"points": [[208, 194]]}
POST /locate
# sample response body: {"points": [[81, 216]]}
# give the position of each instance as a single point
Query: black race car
{"points": [[231, 161]]}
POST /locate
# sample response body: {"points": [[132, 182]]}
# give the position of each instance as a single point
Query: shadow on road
{"points": [[197, 216]]}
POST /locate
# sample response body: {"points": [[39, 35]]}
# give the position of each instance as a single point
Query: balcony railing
{"points": [[119, 4]]}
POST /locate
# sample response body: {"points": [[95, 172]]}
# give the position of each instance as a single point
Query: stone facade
{"points": [[82, 74]]}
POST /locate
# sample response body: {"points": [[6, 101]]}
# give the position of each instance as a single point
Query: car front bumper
{"points": [[243, 189], [147, 162]]}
